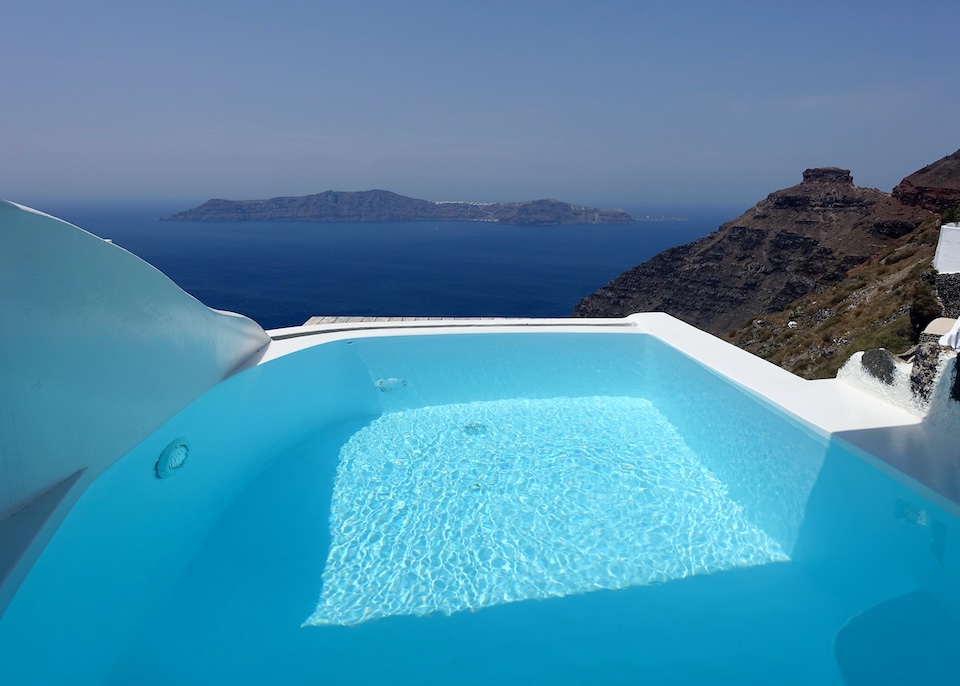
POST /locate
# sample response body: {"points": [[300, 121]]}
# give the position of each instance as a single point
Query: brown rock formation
{"points": [[797, 241], [936, 187]]}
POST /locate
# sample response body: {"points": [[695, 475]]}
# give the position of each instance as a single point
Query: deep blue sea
{"points": [[282, 273]]}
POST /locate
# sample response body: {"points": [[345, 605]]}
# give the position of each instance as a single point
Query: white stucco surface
{"points": [[97, 349], [947, 258], [951, 339]]}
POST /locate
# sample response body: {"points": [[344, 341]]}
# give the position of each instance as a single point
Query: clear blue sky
{"points": [[614, 103]]}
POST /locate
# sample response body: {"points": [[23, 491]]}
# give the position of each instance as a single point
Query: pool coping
{"points": [[899, 443]]}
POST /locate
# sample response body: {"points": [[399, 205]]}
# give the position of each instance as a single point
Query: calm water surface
{"points": [[282, 273]]}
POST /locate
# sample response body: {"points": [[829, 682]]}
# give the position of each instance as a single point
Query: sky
{"points": [[628, 104]]}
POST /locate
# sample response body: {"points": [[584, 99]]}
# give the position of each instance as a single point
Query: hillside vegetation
{"points": [[882, 303]]}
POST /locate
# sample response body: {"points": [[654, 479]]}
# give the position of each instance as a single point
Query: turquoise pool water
{"points": [[460, 507], [523, 508]]}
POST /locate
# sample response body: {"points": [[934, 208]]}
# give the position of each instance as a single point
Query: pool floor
{"points": [[464, 506], [236, 615]]}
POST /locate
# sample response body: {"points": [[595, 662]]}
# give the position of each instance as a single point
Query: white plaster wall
{"points": [[97, 349], [947, 258]]}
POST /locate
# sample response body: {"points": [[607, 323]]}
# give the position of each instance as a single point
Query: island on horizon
{"points": [[385, 206]]}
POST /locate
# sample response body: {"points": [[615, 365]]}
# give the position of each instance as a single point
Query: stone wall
{"points": [[948, 290]]}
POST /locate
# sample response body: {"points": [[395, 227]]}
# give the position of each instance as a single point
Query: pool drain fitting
{"points": [[475, 429]]}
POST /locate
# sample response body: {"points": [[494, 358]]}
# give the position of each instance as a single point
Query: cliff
{"points": [[797, 241], [936, 187], [882, 303], [384, 206]]}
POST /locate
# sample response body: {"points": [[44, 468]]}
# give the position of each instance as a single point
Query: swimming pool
{"points": [[534, 507]]}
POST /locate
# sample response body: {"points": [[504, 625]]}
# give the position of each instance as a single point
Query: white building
{"points": [[947, 258]]}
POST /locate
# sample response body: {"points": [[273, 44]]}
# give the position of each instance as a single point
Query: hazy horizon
{"points": [[86, 212], [611, 104]]}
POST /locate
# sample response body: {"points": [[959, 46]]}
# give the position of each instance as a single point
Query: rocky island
{"points": [[384, 206]]}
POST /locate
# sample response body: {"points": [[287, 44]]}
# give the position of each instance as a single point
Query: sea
{"points": [[282, 273]]}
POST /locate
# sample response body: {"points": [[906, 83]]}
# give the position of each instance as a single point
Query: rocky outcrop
{"points": [[955, 384], [797, 241], [936, 187], [880, 364], [923, 373], [384, 206]]}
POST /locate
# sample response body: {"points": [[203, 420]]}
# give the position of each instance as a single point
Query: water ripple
{"points": [[460, 507]]}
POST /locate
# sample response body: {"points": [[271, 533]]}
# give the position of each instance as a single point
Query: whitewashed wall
{"points": [[97, 349], [947, 258]]}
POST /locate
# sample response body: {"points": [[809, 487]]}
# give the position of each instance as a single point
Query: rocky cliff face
{"points": [[936, 187], [797, 241], [377, 206]]}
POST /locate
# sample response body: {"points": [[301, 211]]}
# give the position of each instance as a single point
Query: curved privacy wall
{"points": [[97, 349]]}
